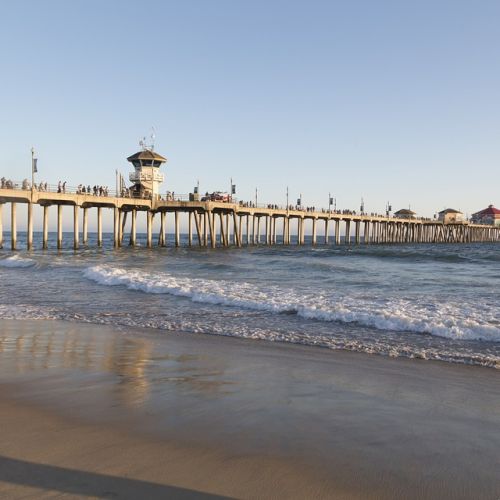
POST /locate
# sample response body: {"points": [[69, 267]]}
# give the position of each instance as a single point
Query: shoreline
{"points": [[239, 418]]}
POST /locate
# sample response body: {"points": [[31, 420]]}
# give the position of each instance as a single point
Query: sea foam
{"points": [[16, 261], [419, 315]]}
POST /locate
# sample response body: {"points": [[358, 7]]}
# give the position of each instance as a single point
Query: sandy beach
{"points": [[92, 411]]}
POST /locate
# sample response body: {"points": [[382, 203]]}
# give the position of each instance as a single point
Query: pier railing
{"points": [[44, 187], [104, 191]]}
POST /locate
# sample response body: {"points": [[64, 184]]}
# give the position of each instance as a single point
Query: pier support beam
{"points": [[211, 228], [314, 231], [121, 224], [133, 228], [237, 229], [99, 226], [59, 227], [337, 232], [45, 237], [116, 224], [205, 228], [177, 231], [161, 238], [13, 226], [190, 229], [347, 232], [366, 233], [327, 221], [75, 228], [197, 225], [223, 234], [29, 229], [149, 229], [85, 227]]}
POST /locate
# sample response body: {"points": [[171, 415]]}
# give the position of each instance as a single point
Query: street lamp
{"points": [[232, 189], [33, 168], [330, 203]]}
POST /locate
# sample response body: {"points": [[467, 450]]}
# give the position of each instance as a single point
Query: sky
{"points": [[387, 101]]}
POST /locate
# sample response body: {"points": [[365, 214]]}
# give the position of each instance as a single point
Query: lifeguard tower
{"points": [[147, 176]]}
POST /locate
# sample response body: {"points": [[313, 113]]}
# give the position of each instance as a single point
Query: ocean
{"points": [[436, 302]]}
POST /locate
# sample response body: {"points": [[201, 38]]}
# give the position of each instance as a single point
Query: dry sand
{"points": [[91, 411]]}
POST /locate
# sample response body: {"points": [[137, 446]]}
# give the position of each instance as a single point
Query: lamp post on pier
{"points": [[331, 201], [33, 168], [388, 209], [232, 189]]}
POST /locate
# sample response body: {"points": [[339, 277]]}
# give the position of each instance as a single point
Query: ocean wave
{"points": [[16, 261], [343, 341], [418, 315]]}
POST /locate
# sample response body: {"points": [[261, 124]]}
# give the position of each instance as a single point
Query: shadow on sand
{"points": [[49, 477]]}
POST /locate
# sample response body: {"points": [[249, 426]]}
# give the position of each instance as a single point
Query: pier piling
{"points": [[13, 226]]}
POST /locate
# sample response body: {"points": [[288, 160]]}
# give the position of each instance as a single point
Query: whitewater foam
{"points": [[419, 315], [16, 261]]}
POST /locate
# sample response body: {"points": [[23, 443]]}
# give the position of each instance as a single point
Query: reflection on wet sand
{"points": [[44, 348], [341, 411]]}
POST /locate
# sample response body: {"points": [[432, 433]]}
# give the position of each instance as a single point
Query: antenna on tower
{"points": [[153, 137]]}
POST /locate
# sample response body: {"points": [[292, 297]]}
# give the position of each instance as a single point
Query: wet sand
{"points": [[94, 411]]}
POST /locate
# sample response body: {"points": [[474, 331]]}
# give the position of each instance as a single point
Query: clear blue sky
{"points": [[385, 100]]}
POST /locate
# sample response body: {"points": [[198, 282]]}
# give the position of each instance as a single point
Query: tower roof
{"points": [[404, 211], [449, 211], [491, 210], [147, 154]]}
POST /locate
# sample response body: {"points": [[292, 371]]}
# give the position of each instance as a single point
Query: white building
{"points": [[147, 177], [450, 216], [405, 213]]}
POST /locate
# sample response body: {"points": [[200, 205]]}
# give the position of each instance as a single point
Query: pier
{"points": [[214, 224], [220, 222]]}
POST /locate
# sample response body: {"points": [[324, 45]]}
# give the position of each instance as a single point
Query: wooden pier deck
{"points": [[215, 224]]}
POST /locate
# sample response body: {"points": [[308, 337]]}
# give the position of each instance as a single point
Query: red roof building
{"points": [[490, 215]]}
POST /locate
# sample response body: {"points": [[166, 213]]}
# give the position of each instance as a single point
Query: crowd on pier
{"points": [[81, 189], [6, 183], [98, 190]]}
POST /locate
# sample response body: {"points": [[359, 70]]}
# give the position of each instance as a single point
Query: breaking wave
{"points": [[422, 315]]}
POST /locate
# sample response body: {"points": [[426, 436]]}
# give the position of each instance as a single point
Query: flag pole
{"points": [[32, 168]]}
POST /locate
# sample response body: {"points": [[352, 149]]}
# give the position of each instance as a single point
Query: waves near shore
{"points": [[432, 302], [417, 315]]}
